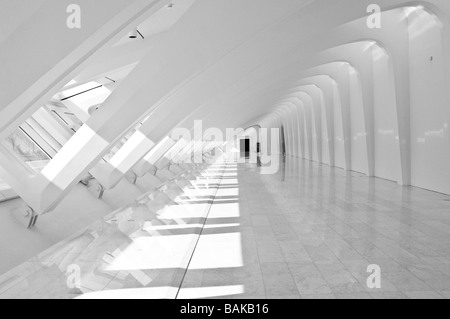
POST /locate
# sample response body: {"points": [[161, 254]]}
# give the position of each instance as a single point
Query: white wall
{"points": [[325, 147], [387, 152], [430, 143], [315, 151], [302, 131], [339, 148], [358, 129]]}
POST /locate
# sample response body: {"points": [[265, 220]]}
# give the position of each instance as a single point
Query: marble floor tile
{"points": [[269, 252], [287, 297], [278, 280], [388, 295], [260, 220], [312, 285], [406, 281], [426, 272], [446, 294], [321, 253], [246, 296], [294, 252], [423, 295], [319, 296], [358, 296], [438, 284]]}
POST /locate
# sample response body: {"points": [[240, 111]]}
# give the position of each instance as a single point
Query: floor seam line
{"points": [[199, 236]]}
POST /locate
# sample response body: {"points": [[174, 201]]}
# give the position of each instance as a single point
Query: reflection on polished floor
{"points": [[309, 231]]}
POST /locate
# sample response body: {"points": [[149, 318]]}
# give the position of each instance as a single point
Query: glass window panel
{"points": [[23, 146]]}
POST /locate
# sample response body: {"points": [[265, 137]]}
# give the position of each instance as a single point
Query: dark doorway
{"points": [[283, 142], [283, 154], [245, 148], [258, 154]]}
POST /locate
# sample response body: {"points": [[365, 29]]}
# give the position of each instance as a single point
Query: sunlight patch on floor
{"points": [[218, 251]]}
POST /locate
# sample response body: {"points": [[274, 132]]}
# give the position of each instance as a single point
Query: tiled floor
{"points": [[311, 232], [308, 232], [337, 224]]}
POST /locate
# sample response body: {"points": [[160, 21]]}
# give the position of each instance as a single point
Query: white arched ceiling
{"points": [[235, 61]]}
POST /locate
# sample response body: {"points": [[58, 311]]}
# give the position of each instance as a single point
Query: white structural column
{"points": [[301, 126], [137, 150], [339, 71], [316, 116], [166, 158], [394, 36], [360, 56], [279, 113], [293, 113], [148, 162], [308, 109], [325, 84]]}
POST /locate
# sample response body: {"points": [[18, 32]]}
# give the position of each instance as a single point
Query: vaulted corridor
{"points": [[191, 149]]}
